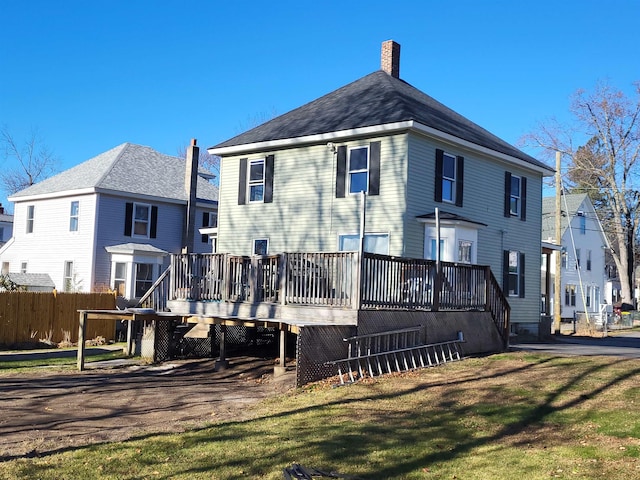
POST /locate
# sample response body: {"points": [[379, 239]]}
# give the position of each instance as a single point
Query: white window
{"points": [[5, 268], [588, 299], [515, 196], [570, 295], [120, 279], [210, 219], [373, 243], [588, 259], [144, 278], [577, 258], [30, 218], [256, 180], [448, 178], [260, 246], [68, 276], [465, 247], [514, 274], [141, 220], [358, 169], [73, 217], [23, 267]]}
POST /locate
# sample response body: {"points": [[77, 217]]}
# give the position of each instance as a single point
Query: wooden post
{"points": [[558, 270], [282, 275], [222, 363], [282, 368], [82, 328], [129, 347], [487, 286]]}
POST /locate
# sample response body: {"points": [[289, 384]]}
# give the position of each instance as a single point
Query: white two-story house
{"points": [[584, 244], [112, 221]]}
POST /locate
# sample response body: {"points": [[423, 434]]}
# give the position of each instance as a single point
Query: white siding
{"points": [[52, 244], [305, 214]]}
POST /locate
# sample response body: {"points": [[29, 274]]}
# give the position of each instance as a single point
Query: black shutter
{"points": [[507, 194], [242, 182], [268, 179], [374, 168], [521, 277], [459, 179], [204, 238], [154, 222], [505, 272], [523, 198], [341, 172], [438, 175], [128, 219]]}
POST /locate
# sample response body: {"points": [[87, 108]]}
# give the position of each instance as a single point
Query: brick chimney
{"points": [[390, 58], [190, 184]]}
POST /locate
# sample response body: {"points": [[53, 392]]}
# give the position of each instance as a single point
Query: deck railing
{"points": [[339, 280]]}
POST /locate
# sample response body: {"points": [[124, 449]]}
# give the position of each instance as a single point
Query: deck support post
{"points": [[282, 367], [129, 347], [81, 334], [222, 363]]}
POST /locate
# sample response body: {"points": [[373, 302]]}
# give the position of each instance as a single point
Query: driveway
{"points": [[619, 344]]}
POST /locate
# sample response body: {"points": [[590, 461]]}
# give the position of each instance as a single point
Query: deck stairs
{"points": [[393, 351]]}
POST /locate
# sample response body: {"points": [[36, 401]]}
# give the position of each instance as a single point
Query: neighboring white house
{"points": [[6, 226], [110, 222], [584, 244], [293, 185]]}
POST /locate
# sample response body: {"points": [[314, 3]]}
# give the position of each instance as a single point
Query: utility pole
{"points": [[557, 281]]}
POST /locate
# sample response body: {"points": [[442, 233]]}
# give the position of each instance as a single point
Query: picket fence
{"points": [[27, 317]]}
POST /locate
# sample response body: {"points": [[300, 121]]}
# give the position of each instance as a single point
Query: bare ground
{"points": [[50, 411]]}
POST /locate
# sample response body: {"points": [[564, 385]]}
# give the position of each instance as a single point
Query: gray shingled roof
{"points": [[573, 202], [127, 168], [32, 280], [375, 99]]}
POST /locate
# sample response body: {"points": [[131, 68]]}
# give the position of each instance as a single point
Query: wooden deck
{"points": [[322, 288]]}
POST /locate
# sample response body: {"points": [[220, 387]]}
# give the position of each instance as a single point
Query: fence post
{"points": [[487, 286], [82, 328], [282, 275]]}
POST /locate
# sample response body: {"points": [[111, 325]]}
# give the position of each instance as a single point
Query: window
{"points": [[120, 279], [261, 246], [513, 273], [256, 180], [448, 178], [209, 220], [144, 278], [515, 199], [583, 223], [358, 169], [577, 258], [570, 295], [73, 217], [140, 220], [373, 243], [23, 267], [564, 257], [588, 299], [588, 259], [68, 277], [30, 218], [434, 251], [5, 268], [464, 251], [514, 196]]}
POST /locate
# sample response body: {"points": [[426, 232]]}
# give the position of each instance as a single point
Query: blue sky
{"points": [[90, 75]]}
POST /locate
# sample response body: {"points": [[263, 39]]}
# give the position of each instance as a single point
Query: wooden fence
{"points": [[31, 316]]}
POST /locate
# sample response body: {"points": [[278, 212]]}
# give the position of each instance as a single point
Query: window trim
{"points": [[453, 180], [342, 236], [522, 210], [507, 274], [254, 243], [256, 183], [74, 219], [67, 276], [31, 214], [365, 170], [135, 220], [145, 281]]}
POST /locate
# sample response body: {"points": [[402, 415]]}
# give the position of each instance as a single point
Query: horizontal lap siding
{"points": [[51, 234], [304, 214], [483, 202]]}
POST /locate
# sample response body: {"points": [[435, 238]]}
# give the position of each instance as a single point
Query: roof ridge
{"points": [[123, 147]]}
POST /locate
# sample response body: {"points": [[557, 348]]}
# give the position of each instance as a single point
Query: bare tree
{"points": [[604, 166], [29, 162]]}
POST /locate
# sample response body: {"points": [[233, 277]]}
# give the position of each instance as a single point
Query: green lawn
{"points": [[92, 354], [507, 416]]}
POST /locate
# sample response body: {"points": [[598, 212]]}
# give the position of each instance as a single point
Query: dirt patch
{"points": [[47, 411]]}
